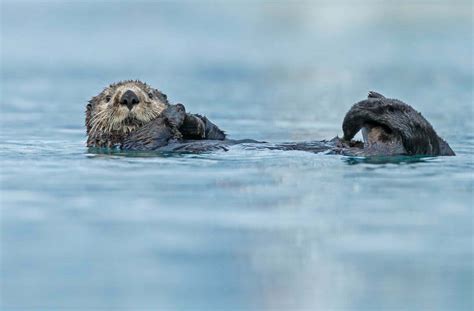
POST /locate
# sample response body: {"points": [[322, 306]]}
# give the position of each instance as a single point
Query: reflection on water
{"points": [[244, 229], [388, 160]]}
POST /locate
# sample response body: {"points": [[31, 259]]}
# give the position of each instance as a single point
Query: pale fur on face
{"points": [[105, 114]]}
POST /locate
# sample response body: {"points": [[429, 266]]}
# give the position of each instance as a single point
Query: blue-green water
{"points": [[243, 229]]}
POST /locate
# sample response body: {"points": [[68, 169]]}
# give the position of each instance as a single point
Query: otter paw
{"points": [[193, 127], [175, 115]]}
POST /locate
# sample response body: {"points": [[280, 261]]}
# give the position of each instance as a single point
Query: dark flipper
{"points": [[175, 114], [193, 127], [212, 130], [196, 126], [397, 119]]}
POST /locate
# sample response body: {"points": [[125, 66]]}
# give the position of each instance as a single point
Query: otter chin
{"points": [[120, 109]]}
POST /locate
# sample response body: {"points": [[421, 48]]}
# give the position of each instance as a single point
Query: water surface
{"points": [[243, 229]]}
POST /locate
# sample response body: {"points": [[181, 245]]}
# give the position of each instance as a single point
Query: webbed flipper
{"points": [[212, 130], [193, 127], [196, 126]]}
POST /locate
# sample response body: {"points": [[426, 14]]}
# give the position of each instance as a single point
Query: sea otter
{"points": [[389, 126], [131, 115], [131, 110]]}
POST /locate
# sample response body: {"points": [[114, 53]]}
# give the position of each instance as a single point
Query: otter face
{"points": [[121, 108]]}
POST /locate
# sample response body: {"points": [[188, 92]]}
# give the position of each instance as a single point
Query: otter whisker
{"points": [[97, 119]]}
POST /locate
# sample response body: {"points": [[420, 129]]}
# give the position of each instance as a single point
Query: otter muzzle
{"points": [[129, 99]]}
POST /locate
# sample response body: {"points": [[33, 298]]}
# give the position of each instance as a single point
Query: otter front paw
{"points": [[196, 126], [193, 127], [175, 115], [152, 136], [212, 130]]}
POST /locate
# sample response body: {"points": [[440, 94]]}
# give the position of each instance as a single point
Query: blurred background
{"points": [[242, 230]]}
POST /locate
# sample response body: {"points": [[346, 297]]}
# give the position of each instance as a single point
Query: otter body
{"points": [[131, 115]]}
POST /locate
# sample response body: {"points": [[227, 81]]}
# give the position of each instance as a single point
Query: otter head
{"points": [[391, 127], [119, 109]]}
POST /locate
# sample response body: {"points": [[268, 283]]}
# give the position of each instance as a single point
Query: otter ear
{"points": [[161, 96], [416, 133], [164, 98]]}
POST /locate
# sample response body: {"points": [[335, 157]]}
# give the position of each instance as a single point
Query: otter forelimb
{"points": [[173, 127], [196, 126]]}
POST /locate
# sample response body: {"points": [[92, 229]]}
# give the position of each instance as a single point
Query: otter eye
{"points": [[150, 95], [107, 98]]}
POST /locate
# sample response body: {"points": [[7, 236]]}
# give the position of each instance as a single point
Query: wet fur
{"points": [[395, 121]]}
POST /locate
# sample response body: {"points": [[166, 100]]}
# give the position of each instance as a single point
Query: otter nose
{"points": [[129, 99]]}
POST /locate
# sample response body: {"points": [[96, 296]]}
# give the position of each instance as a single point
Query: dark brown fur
{"points": [[397, 121]]}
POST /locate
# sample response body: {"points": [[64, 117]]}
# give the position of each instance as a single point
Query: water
{"points": [[243, 229]]}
